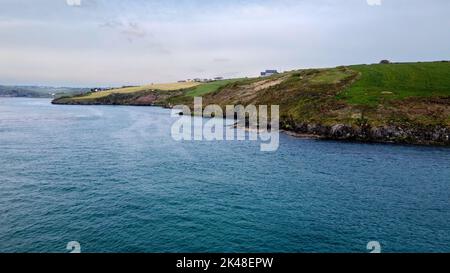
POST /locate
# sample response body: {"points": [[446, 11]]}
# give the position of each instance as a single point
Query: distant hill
{"points": [[39, 91], [389, 102]]}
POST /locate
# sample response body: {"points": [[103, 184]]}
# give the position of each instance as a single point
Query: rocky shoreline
{"points": [[431, 135], [393, 134]]}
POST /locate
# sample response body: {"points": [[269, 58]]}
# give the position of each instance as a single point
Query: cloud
{"points": [[131, 30], [141, 41], [134, 32], [73, 3], [221, 60], [374, 2]]}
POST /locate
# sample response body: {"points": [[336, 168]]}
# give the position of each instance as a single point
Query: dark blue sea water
{"points": [[113, 179]]}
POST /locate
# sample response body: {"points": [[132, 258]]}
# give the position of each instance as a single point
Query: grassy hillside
{"points": [[398, 81], [207, 88], [39, 91], [304, 95]]}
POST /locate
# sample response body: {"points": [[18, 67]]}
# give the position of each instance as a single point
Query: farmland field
{"points": [[129, 90], [207, 88]]}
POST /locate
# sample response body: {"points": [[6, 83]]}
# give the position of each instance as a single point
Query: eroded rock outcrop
{"points": [[426, 135]]}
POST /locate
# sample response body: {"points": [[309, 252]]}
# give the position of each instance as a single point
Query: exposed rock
{"points": [[429, 135], [341, 131]]}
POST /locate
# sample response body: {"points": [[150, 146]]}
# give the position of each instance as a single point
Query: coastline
{"points": [[302, 136], [330, 103], [432, 136]]}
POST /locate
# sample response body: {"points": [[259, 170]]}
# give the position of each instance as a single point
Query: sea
{"points": [[113, 179]]}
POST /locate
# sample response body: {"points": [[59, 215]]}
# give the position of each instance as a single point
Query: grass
{"points": [[129, 90], [207, 88], [381, 82], [330, 76]]}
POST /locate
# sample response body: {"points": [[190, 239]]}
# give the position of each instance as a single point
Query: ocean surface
{"points": [[113, 179]]}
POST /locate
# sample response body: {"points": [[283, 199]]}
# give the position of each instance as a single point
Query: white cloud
{"points": [[75, 3], [374, 2]]}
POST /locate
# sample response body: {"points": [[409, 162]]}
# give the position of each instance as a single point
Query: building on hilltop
{"points": [[268, 73]]}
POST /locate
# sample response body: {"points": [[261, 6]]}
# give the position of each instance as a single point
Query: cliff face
{"points": [[395, 103], [146, 98], [431, 135]]}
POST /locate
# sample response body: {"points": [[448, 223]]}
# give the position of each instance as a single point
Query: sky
{"points": [[87, 43]]}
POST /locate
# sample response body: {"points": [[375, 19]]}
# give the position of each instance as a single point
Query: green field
{"points": [[207, 88], [192, 89], [329, 76], [381, 82], [137, 89]]}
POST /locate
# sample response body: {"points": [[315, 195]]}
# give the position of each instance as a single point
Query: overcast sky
{"points": [[117, 42]]}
